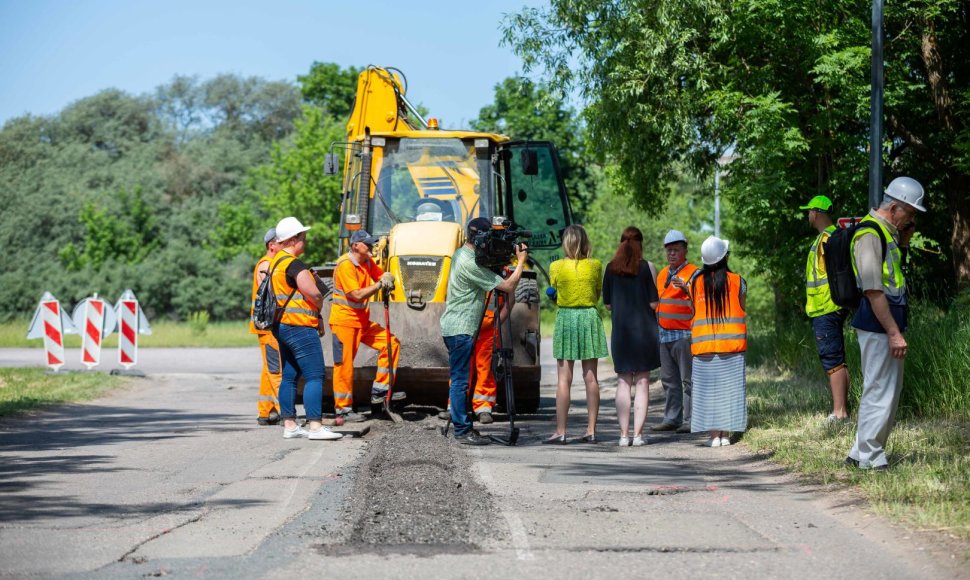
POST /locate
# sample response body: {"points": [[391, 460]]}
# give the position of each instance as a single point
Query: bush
{"points": [[199, 322], [937, 365]]}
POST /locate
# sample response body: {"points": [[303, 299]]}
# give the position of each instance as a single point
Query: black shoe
{"points": [[684, 428], [851, 462], [485, 418], [664, 427], [555, 440], [588, 438], [472, 438]]}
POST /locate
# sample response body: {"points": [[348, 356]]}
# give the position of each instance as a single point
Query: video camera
{"points": [[495, 247]]}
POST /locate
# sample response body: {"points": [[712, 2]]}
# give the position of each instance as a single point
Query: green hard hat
{"points": [[819, 202]]}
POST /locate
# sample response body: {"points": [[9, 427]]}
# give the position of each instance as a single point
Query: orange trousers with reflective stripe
{"points": [[483, 398], [269, 381], [347, 341]]}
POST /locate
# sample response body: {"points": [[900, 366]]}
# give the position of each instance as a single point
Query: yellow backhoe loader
{"points": [[415, 186]]}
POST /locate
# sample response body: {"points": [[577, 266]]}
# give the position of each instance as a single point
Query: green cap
{"points": [[819, 202]]}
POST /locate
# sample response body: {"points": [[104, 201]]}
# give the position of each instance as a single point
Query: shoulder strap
{"points": [[278, 262]]}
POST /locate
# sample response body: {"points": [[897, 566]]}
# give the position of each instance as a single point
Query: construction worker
{"points": [[355, 279], [483, 397], [298, 333], [267, 402], [827, 317], [881, 319], [674, 320]]}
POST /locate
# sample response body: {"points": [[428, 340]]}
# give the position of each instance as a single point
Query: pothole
{"points": [[414, 495]]}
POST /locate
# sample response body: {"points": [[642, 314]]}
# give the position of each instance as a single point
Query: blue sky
{"points": [[55, 52]]}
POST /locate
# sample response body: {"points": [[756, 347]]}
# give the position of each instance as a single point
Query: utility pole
{"points": [[875, 108]]}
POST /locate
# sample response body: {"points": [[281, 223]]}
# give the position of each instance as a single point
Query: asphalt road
{"points": [[171, 475]]}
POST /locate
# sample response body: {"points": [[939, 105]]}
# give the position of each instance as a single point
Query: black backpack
{"points": [[266, 312], [838, 263]]}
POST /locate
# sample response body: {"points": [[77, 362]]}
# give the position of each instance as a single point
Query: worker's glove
{"points": [[387, 281]]}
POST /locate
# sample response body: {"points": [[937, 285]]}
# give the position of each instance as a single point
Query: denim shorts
{"points": [[830, 339]]}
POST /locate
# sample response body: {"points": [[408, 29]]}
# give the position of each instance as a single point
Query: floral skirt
{"points": [[579, 335]]}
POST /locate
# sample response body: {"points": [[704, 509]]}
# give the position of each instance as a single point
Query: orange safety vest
{"points": [[252, 327], [347, 277], [673, 312], [298, 311], [728, 335]]}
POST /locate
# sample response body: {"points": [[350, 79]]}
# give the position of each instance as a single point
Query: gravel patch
{"points": [[414, 493]]}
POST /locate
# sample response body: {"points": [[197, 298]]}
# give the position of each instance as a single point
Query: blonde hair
{"points": [[575, 243]]}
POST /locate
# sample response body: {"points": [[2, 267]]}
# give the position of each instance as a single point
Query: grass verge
{"points": [[164, 334], [928, 486], [25, 389]]}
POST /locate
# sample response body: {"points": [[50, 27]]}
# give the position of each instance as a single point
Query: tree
{"points": [[330, 87], [524, 110], [785, 87]]}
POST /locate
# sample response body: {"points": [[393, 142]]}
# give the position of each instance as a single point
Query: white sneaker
{"points": [[639, 441], [713, 442], [624, 442], [296, 433], [323, 434], [725, 441]]}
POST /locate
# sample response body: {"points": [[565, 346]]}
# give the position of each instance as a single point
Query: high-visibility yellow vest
{"points": [[893, 282], [818, 295], [673, 312], [298, 311], [727, 335]]}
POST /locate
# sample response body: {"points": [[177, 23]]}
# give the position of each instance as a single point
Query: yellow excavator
{"points": [[415, 186]]}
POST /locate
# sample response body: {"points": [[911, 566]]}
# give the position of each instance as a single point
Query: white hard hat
{"points": [[908, 191], [289, 227], [713, 250], [674, 236]]}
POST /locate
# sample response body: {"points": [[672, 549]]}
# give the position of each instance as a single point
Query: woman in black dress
{"points": [[630, 294]]}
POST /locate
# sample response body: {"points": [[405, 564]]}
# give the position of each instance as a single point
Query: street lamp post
{"points": [[875, 108]]}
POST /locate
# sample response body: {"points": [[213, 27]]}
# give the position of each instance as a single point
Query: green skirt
{"points": [[579, 335]]}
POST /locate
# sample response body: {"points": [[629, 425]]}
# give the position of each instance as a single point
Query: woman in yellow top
{"points": [[579, 335]]}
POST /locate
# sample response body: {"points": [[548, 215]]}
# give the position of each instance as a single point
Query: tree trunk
{"points": [[958, 204]]}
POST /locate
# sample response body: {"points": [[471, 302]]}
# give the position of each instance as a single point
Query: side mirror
{"points": [[330, 164], [530, 162]]}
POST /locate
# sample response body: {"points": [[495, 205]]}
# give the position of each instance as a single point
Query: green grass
{"points": [[25, 389], [928, 485], [164, 334]]}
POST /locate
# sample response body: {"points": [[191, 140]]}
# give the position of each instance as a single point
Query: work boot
{"points": [[485, 418], [664, 427], [446, 414], [377, 398], [272, 419], [352, 417], [684, 428]]}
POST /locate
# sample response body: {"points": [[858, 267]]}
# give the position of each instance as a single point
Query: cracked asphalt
{"points": [[171, 476]]}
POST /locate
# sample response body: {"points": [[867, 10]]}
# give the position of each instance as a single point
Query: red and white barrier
{"points": [[131, 322], [50, 322], [96, 320]]}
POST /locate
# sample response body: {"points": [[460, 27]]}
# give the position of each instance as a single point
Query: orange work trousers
{"points": [[269, 381], [346, 342], [483, 397]]}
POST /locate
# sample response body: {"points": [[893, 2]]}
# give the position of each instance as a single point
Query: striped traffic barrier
{"points": [[131, 322], [50, 322], [96, 320]]}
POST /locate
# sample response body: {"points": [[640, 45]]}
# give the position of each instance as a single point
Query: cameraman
{"points": [[467, 285]]}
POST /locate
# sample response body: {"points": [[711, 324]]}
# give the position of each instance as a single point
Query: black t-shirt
{"points": [[293, 270]]}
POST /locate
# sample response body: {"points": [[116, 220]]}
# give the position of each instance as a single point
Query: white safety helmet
{"points": [[674, 236], [289, 227], [713, 250], [908, 191]]}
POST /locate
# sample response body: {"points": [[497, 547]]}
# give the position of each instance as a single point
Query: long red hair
{"points": [[629, 253]]}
